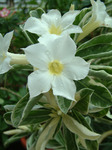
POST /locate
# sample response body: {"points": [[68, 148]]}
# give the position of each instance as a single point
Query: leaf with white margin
{"points": [[47, 134], [78, 128]]}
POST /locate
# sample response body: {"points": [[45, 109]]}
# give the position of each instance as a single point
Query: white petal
{"points": [[39, 82], [37, 55], [98, 11], [1, 43], [5, 66], [35, 25], [52, 17], [73, 29], [108, 21], [63, 86], [77, 69], [46, 39], [62, 48], [5, 42], [68, 18]]}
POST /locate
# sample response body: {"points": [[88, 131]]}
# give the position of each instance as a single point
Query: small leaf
{"points": [[79, 129], [37, 12], [22, 109], [97, 47], [64, 104], [101, 113], [85, 97], [36, 116], [100, 74], [15, 138], [70, 139], [101, 96], [46, 134], [92, 145]]}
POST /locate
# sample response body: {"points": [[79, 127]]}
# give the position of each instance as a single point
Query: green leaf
{"points": [[77, 116], [92, 145], [101, 96], [75, 127], [70, 139], [37, 12], [64, 104], [31, 141], [97, 47], [59, 138], [22, 109], [36, 116], [53, 144], [47, 134], [85, 97], [106, 68], [7, 118], [82, 16], [101, 113], [15, 138], [100, 74]]}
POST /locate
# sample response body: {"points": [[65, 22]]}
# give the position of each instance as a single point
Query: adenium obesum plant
{"points": [[65, 87]]}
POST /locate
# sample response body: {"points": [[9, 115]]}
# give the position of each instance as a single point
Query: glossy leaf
{"points": [[70, 140], [83, 103], [64, 104], [36, 116], [22, 109], [101, 96], [97, 47], [46, 134], [75, 127]]}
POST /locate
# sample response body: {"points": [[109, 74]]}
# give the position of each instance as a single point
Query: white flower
{"points": [[4, 46], [99, 18], [56, 67], [100, 15], [53, 23]]}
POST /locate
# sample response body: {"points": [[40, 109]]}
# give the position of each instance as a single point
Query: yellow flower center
{"points": [[55, 30], [55, 67], [2, 57]]}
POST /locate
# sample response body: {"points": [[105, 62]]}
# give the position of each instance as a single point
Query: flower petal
{"points": [[63, 86], [5, 41], [5, 66], [46, 38], [62, 48], [39, 82], [108, 21], [98, 11], [37, 55], [1, 43], [73, 29], [35, 25], [68, 18], [52, 17], [77, 69]]}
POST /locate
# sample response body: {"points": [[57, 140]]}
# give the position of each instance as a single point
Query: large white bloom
{"points": [[100, 15], [53, 23], [4, 46], [55, 67], [99, 18]]}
